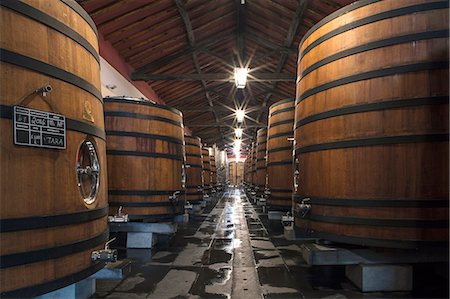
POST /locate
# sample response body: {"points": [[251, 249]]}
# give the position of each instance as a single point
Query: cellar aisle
{"points": [[227, 253]]}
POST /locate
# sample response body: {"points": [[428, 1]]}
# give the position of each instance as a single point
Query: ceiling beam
{"points": [[220, 58], [287, 43], [191, 39], [213, 77], [240, 32]]}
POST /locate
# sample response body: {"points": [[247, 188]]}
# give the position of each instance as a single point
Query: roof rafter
{"points": [[190, 35], [287, 43]]}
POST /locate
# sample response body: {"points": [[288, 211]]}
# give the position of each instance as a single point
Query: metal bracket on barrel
{"points": [[188, 206], [174, 197], [304, 207]]}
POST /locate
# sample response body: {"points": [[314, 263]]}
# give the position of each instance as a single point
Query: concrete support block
{"points": [[289, 233], [80, 290], [275, 215], [141, 240], [380, 277], [184, 218]]}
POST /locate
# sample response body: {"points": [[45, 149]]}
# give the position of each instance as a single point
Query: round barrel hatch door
{"points": [[88, 171]]}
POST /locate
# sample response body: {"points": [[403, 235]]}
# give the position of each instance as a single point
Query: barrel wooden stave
{"points": [[261, 170], [49, 175], [194, 178], [212, 160], [408, 178], [206, 170], [279, 155], [144, 179], [253, 165]]}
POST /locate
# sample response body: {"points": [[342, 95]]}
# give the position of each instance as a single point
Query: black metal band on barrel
{"points": [[334, 15], [79, 10], [424, 66], [46, 287], [142, 102], [192, 144], [373, 107], [281, 190], [283, 122], [49, 70], [28, 257], [71, 124], [375, 203], [282, 102], [364, 241], [157, 217], [194, 166], [260, 159], [146, 204], [280, 208], [375, 18], [282, 110], [372, 142], [279, 163], [193, 187], [376, 45], [420, 223], [283, 134], [279, 198], [142, 192], [280, 149], [206, 162], [144, 154], [145, 135], [43, 18], [143, 116], [194, 155], [194, 193], [260, 168], [38, 222]]}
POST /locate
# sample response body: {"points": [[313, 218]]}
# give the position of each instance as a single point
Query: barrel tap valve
{"points": [[304, 207], [188, 206], [44, 90], [105, 255], [119, 217], [174, 197], [287, 220]]}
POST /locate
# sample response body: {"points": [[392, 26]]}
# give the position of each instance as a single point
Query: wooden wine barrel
{"points": [[247, 171], [145, 159], [194, 177], [279, 155], [253, 166], [206, 171], [212, 160], [371, 127], [236, 173], [49, 225], [261, 142]]}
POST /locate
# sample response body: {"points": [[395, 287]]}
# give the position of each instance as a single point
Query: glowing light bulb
{"points": [[240, 77], [238, 132], [240, 114]]}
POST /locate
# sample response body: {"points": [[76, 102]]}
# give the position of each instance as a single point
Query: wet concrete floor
{"points": [[231, 250]]}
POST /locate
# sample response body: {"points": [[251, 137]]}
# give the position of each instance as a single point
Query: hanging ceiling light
{"points": [[238, 132], [240, 77], [240, 114]]}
